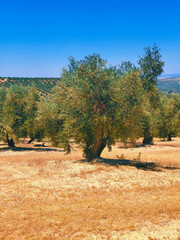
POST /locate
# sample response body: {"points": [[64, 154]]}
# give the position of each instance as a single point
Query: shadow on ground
{"points": [[146, 166], [37, 149], [136, 146]]}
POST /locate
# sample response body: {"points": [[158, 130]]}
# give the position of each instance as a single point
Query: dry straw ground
{"points": [[129, 194]]}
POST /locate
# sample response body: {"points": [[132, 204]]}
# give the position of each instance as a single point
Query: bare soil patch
{"points": [[128, 194]]}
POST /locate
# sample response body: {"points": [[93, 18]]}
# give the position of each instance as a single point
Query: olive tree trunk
{"points": [[31, 140], [95, 150], [169, 138], [148, 139], [11, 143]]}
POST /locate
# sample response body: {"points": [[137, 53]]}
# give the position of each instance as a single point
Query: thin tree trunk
{"points": [[148, 139], [31, 140]]}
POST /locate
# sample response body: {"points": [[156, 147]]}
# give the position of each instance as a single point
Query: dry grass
{"points": [[49, 195]]}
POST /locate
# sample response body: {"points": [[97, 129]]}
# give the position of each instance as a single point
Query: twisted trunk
{"points": [[96, 149]]}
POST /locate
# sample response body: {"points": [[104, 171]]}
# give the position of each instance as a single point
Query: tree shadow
{"points": [[4, 149], [146, 166], [136, 146], [2, 144], [37, 149]]}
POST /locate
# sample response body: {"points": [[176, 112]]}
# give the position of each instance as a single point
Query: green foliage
{"points": [[98, 105], [49, 120], [169, 117], [30, 125], [43, 85], [126, 66], [18, 112], [151, 67], [14, 105], [2, 99]]}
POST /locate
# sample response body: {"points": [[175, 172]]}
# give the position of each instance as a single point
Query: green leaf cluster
{"points": [[18, 109]]}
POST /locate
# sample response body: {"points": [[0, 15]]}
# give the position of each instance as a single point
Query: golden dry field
{"points": [[128, 194]]}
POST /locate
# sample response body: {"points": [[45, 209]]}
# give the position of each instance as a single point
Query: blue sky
{"points": [[36, 37]]}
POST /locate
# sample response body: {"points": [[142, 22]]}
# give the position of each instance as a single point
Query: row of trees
{"points": [[93, 104], [18, 112]]}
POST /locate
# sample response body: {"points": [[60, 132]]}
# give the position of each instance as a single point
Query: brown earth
{"points": [[128, 194]]}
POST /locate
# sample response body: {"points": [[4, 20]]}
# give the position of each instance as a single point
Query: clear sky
{"points": [[37, 36]]}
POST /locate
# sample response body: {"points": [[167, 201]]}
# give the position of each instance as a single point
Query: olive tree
{"points": [[98, 104], [49, 120], [18, 112], [151, 66], [169, 117]]}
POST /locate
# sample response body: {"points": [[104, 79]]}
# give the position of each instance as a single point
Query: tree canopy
{"points": [[151, 66], [168, 117], [18, 111], [98, 104]]}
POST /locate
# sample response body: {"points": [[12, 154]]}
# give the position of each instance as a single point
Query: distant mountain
{"points": [[169, 75], [169, 85]]}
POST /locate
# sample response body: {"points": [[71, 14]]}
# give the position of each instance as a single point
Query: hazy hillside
{"points": [[45, 85], [170, 85], [169, 75]]}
